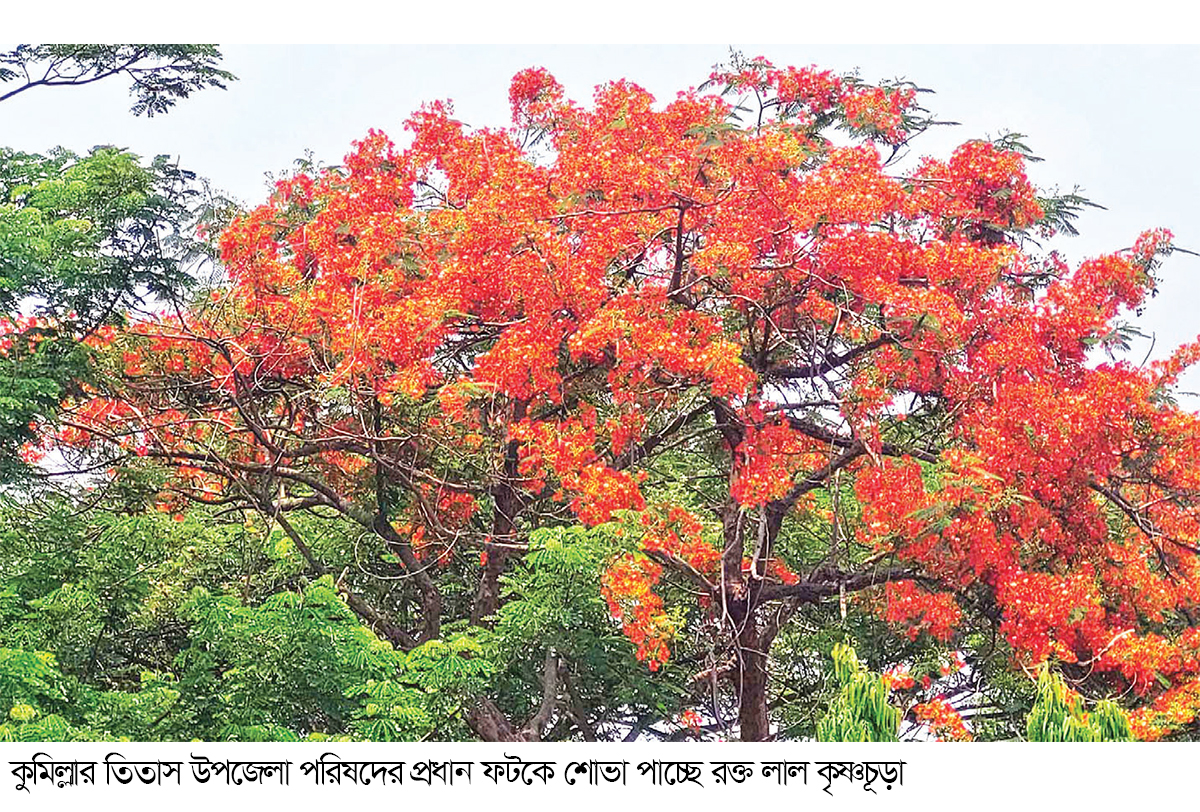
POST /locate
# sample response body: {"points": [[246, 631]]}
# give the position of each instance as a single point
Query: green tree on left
{"points": [[83, 238]]}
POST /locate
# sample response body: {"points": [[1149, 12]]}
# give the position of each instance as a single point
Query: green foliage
{"points": [[427, 694], [553, 601], [142, 627], [84, 237], [288, 662], [1058, 715], [29, 679], [159, 75], [860, 712], [82, 240], [38, 702], [35, 373]]}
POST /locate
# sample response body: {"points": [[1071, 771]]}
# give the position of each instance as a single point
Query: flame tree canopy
{"points": [[780, 387]]}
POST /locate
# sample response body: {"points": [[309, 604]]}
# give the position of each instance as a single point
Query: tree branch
{"points": [[825, 435], [814, 591], [536, 726], [397, 636], [830, 363], [646, 448]]}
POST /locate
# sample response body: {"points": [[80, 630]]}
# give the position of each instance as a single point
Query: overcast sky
{"points": [[1120, 122]]}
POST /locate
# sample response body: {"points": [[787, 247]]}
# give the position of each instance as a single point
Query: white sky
{"points": [[1120, 122]]}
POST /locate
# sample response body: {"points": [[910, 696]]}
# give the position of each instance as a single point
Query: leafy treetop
{"points": [[159, 75]]}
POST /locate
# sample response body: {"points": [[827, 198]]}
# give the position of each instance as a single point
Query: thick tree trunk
{"points": [[752, 684], [487, 597], [739, 593], [507, 506], [489, 723]]}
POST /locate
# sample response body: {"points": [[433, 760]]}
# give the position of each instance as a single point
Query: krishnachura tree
{"points": [[781, 371]]}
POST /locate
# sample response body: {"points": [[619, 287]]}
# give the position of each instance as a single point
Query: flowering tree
{"points": [[778, 372]]}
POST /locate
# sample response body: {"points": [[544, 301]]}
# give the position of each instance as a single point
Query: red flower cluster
{"points": [[627, 586], [920, 611], [943, 720]]}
